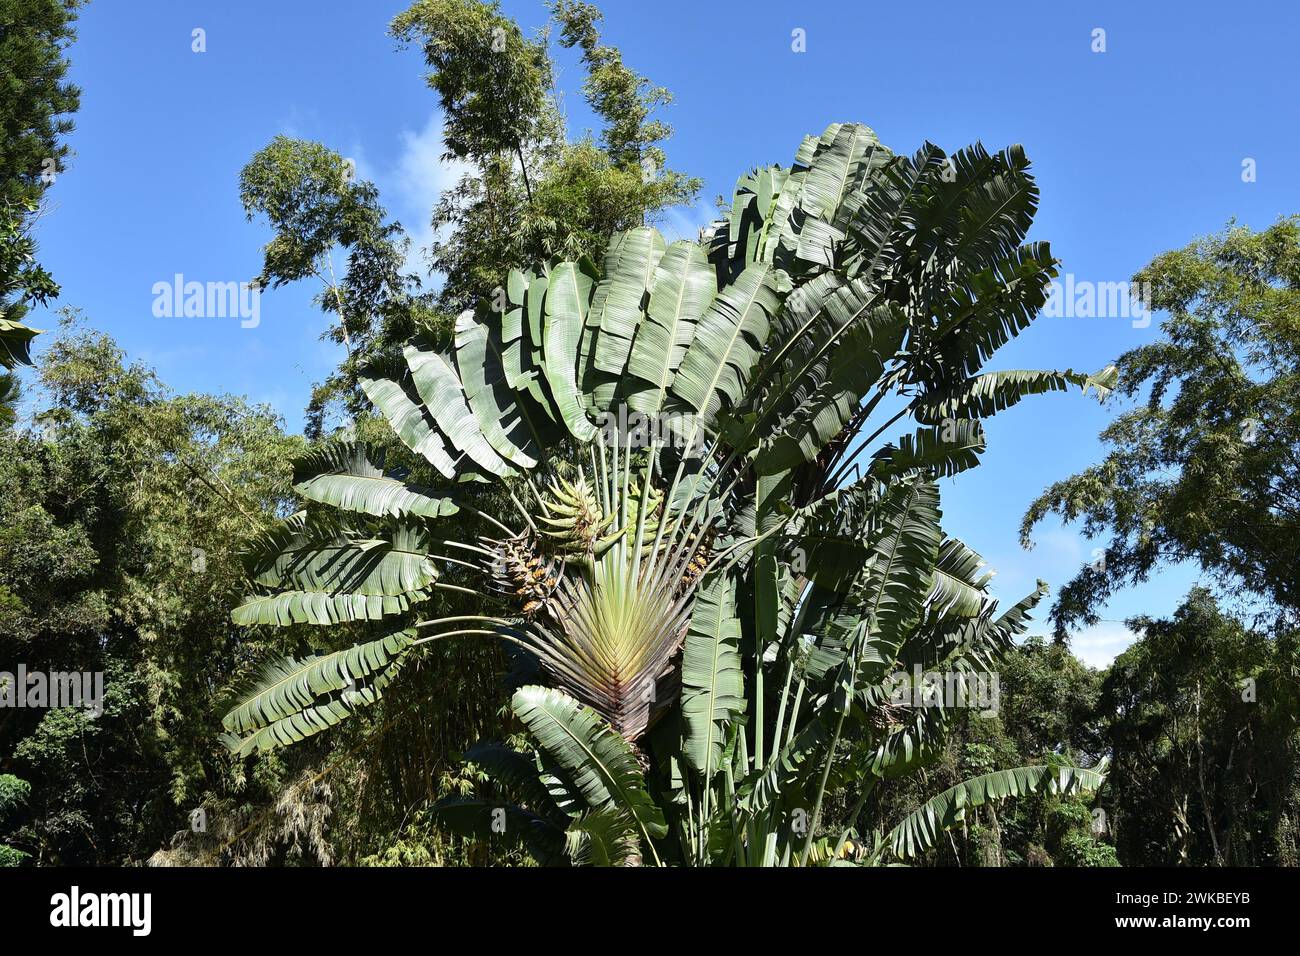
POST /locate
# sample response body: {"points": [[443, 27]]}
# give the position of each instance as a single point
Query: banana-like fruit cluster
{"points": [[531, 577], [578, 528], [701, 548], [573, 521]]}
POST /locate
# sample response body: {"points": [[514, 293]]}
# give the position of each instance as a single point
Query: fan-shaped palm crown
{"points": [[687, 436]]}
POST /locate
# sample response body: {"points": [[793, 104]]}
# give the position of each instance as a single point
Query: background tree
{"points": [[317, 208], [36, 103], [13, 794], [1046, 712], [37, 100], [1200, 715], [1207, 468], [531, 194], [121, 518], [116, 522]]}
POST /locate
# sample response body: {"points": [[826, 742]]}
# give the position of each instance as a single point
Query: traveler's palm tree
{"points": [[709, 552]]}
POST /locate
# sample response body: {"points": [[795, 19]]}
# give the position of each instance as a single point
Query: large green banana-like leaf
{"points": [[535, 314], [605, 837], [503, 414], [763, 788], [914, 743], [850, 368], [895, 588], [804, 330], [991, 392], [740, 239], [985, 309], [717, 364], [620, 300], [370, 566], [876, 215], [1016, 618], [807, 369], [958, 588], [977, 207], [342, 476], [831, 537], [16, 343], [998, 204], [521, 343], [684, 288], [768, 594], [920, 829], [844, 166], [803, 224], [408, 419], [838, 168], [596, 388], [313, 607], [830, 621], [712, 679], [938, 450], [789, 216], [597, 758], [444, 399], [568, 299], [294, 699], [514, 323], [319, 554], [965, 639], [960, 642]]}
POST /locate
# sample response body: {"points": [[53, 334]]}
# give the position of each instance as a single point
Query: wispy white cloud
{"points": [[1100, 644], [419, 177], [412, 183], [422, 174], [685, 222], [1062, 546]]}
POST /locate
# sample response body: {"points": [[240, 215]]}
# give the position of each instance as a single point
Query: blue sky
{"points": [[1136, 150]]}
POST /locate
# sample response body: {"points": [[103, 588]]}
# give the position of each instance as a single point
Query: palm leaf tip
{"points": [[342, 475], [296, 698], [920, 830], [601, 763]]}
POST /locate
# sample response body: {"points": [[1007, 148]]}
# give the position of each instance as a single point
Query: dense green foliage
{"points": [[1201, 716], [119, 506], [1047, 712], [530, 194], [36, 103], [119, 527]]}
